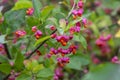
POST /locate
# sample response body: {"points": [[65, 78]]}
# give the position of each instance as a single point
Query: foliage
{"points": [[60, 40]]}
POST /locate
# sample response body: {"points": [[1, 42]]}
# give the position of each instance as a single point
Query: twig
{"points": [[33, 76], [6, 77], [38, 46], [7, 51], [69, 14]]}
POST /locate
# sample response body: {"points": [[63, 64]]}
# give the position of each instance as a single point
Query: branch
{"points": [[39, 46], [69, 14], [7, 51], [6, 77]]}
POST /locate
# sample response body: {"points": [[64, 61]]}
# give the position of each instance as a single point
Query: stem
{"points": [[33, 76], [6, 77], [7, 51], [69, 14], [39, 46]]}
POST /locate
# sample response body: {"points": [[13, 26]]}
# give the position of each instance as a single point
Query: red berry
{"points": [[53, 35], [80, 4], [20, 33], [38, 53], [34, 29], [38, 34], [30, 11], [52, 28]]}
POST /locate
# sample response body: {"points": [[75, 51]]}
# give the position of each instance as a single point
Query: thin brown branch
{"points": [[69, 14], [7, 51], [38, 46], [6, 77]]}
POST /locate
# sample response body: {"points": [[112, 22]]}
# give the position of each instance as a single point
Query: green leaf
{"points": [[103, 21], [37, 68], [60, 30], [19, 62], [61, 15], [62, 23], [105, 71], [95, 29], [47, 63], [76, 1], [24, 77], [52, 21], [37, 6], [46, 12], [42, 79], [45, 73], [3, 59], [13, 49], [33, 66], [1, 15], [77, 61], [2, 39], [21, 4], [15, 19], [83, 41], [32, 21], [80, 39], [5, 68], [108, 3], [42, 39]]}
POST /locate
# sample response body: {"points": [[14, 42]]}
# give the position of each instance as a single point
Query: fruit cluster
{"points": [[2, 51], [101, 42], [30, 11], [20, 33], [37, 33], [76, 14], [58, 73]]}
